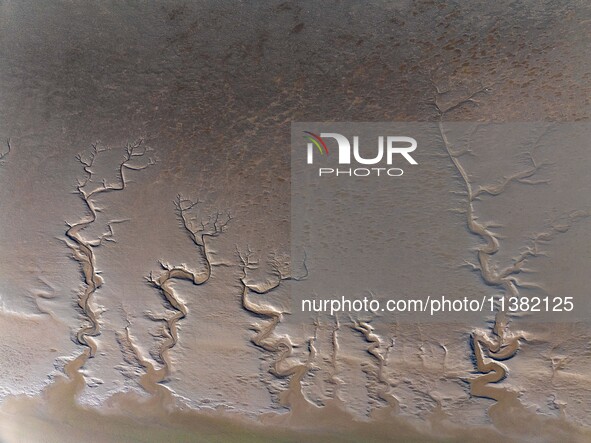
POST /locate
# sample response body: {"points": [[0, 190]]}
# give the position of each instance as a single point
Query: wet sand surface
{"points": [[146, 271]]}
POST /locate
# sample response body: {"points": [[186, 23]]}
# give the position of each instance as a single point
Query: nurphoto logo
{"points": [[394, 145]]}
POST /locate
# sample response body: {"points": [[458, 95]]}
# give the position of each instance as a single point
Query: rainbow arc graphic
{"points": [[317, 141]]}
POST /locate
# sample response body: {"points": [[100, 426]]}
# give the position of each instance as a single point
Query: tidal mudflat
{"points": [[147, 274]]}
